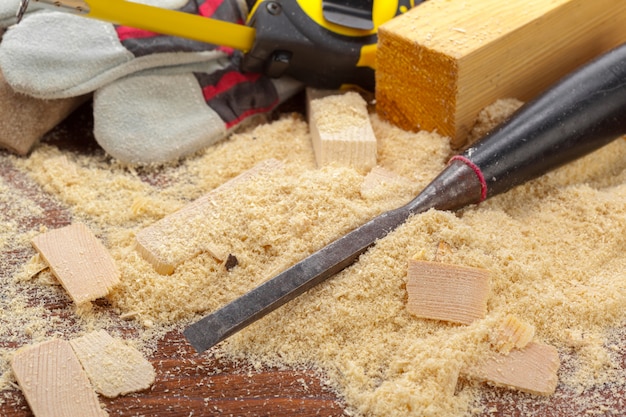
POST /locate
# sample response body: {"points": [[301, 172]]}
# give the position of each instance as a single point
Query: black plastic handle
{"points": [[291, 43], [581, 113]]}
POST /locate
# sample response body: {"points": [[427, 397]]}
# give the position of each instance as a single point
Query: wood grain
{"points": [[25, 119], [113, 367], [449, 292], [340, 127], [175, 238], [54, 382], [442, 62], [79, 260], [531, 369]]}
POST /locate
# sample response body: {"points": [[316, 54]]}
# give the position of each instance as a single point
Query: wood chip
{"points": [[443, 252], [174, 239], [513, 333], [25, 119], [53, 381], [341, 131], [79, 261], [447, 292], [113, 367], [231, 262], [532, 369], [32, 268]]}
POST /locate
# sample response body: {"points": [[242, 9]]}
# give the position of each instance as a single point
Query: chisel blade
{"points": [[290, 283]]}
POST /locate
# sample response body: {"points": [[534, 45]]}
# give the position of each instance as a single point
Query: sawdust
{"points": [[334, 112], [554, 248]]}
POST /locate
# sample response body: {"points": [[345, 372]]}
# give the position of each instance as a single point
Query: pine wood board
{"points": [[448, 292], [443, 61], [532, 369]]}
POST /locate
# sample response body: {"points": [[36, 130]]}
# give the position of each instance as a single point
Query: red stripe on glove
{"points": [[207, 8], [125, 32], [249, 113], [228, 81], [225, 90]]}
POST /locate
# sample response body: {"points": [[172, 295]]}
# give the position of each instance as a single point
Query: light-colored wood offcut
{"points": [[26, 119], [532, 369], [171, 240], [447, 292], [513, 333], [79, 261], [443, 61], [32, 268], [341, 131], [53, 381], [113, 367]]}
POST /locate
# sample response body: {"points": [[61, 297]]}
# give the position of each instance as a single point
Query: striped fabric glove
{"points": [[159, 116], [156, 98]]}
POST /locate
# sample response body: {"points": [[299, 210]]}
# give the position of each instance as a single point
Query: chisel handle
{"points": [[581, 113]]}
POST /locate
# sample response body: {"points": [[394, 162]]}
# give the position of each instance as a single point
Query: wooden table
{"points": [[189, 384]]}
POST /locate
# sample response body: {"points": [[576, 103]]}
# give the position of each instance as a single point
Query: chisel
{"points": [[581, 113]]}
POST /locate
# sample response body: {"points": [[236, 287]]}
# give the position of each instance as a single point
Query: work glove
{"points": [[155, 98]]}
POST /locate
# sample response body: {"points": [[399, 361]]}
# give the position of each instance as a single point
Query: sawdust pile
{"points": [[554, 247]]}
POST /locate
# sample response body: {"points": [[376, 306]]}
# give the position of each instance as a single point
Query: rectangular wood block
{"points": [[443, 61], [448, 292], [533, 369], [53, 381], [24, 119], [341, 131], [79, 261]]}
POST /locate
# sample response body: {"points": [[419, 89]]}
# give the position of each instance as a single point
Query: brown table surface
{"points": [[186, 383]]}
